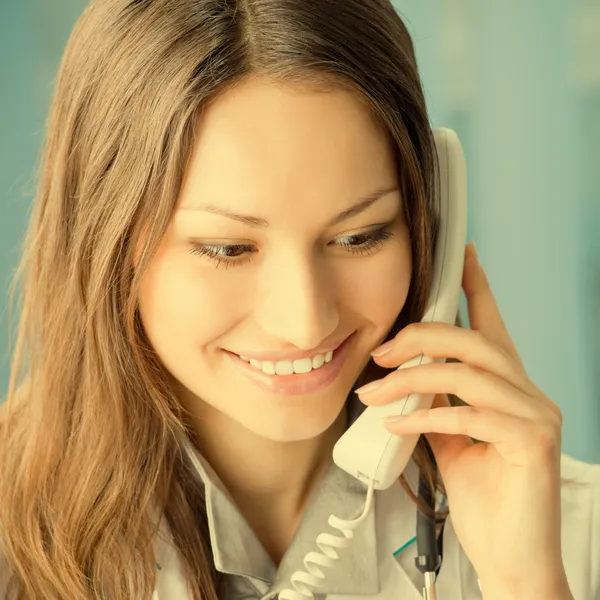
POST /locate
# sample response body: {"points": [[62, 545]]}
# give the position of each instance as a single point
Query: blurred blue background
{"points": [[519, 80]]}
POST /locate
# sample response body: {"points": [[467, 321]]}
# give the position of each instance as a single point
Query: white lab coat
{"points": [[457, 580], [398, 577]]}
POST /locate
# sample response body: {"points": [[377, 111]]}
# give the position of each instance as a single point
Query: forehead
{"points": [[272, 140]]}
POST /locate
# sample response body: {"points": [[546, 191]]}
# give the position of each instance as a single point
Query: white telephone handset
{"points": [[367, 450]]}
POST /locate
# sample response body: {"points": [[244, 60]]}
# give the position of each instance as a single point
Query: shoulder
{"points": [[580, 488], [580, 519], [584, 472]]}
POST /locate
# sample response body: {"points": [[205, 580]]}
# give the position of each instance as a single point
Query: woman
{"points": [[197, 207]]}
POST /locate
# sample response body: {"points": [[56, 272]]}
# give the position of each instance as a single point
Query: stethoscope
{"points": [[429, 544]]}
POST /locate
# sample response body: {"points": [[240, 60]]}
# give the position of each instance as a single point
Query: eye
{"points": [[366, 243], [360, 243], [227, 255]]}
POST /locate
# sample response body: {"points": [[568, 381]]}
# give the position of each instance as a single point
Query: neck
{"points": [[270, 482]]}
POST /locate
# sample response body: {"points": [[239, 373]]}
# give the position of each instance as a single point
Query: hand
{"points": [[503, 493]]}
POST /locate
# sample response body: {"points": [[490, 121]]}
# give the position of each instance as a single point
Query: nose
{"points": [[298, 305]]}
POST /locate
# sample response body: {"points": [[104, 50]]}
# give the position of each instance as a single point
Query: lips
{"points": [[302, 383]]}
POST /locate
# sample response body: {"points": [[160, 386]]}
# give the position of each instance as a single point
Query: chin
{"points": [[294, 428]]}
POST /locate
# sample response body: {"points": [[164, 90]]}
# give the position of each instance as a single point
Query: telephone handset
{"points": [[367, 450]]}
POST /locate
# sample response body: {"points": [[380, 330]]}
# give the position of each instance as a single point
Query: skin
{"points": [[298, 158], [295, 158], [506, 489]]}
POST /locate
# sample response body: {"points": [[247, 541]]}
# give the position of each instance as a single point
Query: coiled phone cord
{"points": [[429, 547], [313, 577]]}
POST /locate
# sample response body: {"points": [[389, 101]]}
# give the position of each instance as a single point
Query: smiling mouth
{"points": [[287, 368], [281, 378]]}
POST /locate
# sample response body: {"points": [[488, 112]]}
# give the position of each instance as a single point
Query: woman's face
{"points": [[299, 272]]}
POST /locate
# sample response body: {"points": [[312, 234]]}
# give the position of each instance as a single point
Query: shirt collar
{"points": [[237, 550]]}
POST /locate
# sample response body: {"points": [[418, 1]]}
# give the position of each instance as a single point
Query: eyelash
{"points": [[368, 243]]}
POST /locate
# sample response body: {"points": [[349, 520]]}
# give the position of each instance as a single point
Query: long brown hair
{"points": [[89, 432]]}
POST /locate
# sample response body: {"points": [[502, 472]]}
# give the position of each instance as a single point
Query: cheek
{"points": [[180, 305], [175, 299], [383, 287]]}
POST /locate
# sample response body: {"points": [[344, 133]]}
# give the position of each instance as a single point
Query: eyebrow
{"points": [[354, 210]]}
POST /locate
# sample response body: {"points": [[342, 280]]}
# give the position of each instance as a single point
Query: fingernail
{"points": [[369, 387], [383, 349], [473, 252]]}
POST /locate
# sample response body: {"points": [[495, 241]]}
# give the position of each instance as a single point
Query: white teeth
{"points": [[287, 367]]}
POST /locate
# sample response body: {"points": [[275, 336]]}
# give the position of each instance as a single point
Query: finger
{"points": [[446, 448], [519, 441], [473, 386], [484, 314], [441, 340]]}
